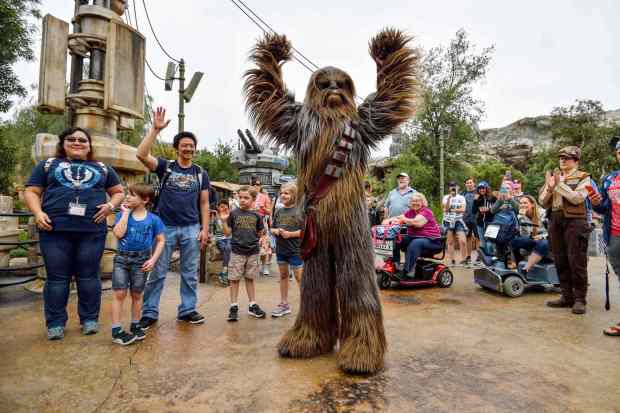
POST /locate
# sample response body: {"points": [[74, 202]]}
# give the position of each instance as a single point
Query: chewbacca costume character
{"points": [[339, 296]]}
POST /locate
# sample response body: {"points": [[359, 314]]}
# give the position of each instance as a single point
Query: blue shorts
{"points": [[128, 270], [459, 226], [294, 261]]}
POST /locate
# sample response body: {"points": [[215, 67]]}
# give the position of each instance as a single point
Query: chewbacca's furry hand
{"points": [[277, 45], [385, 43]]}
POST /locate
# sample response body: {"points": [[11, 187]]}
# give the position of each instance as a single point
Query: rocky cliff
{"points": [[515, 143]]}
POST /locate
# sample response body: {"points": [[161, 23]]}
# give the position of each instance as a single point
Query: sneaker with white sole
{"points": [[281, 310], [256, 311], [233, 313], [90, 327], [137, 331], [123, 338], [56, 333], [193, 318]]}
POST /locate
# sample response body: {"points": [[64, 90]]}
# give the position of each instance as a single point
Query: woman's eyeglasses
{"points": [[72, 139]]}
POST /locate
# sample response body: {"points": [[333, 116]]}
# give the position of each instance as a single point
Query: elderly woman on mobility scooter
{"points": [[423, 234], [532, 234]]}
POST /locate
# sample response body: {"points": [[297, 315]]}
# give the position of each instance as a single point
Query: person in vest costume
{"points": [[565, 192]]}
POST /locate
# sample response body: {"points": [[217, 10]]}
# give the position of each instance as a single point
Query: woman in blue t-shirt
{"points": [[68, 195]]}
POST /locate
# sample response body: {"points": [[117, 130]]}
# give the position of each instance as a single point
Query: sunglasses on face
{"points": [[72, 139], [565, 158]]}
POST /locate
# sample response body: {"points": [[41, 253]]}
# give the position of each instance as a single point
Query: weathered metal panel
{"points": [[53, 65], [124, 68]]}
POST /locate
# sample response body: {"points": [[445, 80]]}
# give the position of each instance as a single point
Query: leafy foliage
{"points": [[217, 162], [447, 108], [15, 44], [583, 124]]}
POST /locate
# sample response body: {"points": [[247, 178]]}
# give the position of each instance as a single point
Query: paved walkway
{"points": [[459, 349]]}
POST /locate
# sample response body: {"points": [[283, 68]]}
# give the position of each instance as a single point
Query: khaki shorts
{"points": [[242, 266]]}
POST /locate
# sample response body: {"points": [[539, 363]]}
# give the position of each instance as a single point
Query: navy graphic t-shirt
{"points": [[67, 180], [245, 226], [178, 201], [140, 235]]}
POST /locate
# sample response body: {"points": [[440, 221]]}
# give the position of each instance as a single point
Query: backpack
{"points": [[164, 179], [508, 226]]}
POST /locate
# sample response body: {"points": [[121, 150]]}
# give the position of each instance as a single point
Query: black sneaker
{"points": [[137, 331], [233, 314], [147, 322], [123, 338], [256, 311], [193, 318]]}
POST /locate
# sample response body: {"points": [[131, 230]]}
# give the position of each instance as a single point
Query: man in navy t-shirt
{"points": [[183, 207]]}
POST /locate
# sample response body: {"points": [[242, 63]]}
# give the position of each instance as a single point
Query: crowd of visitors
{"points": [[72, 194]]}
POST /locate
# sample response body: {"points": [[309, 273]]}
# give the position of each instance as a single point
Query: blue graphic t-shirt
{"points": [[178, 200], [140, 235], [67, 180]]}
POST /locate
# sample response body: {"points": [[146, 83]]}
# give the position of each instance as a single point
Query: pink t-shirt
{"points": [[262, 203], [614, 198], [429, 230]]}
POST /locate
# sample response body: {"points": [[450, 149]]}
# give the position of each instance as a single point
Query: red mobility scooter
{"points": [[429, 270]]}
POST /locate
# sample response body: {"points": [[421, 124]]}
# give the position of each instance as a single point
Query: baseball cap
{"points": [[403, 174], [452, 183], [570, 152]]}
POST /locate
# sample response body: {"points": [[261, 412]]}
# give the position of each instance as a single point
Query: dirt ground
{"points": [[458, 349]]}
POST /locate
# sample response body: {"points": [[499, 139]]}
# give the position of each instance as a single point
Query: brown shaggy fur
{"points": [[339, 296]]}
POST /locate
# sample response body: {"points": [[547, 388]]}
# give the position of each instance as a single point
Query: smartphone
{"points": [[591, 190]]}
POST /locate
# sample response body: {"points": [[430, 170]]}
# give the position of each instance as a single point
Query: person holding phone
{"points": [[607, 203], [454, 206], [483, 201], [565, 194]]}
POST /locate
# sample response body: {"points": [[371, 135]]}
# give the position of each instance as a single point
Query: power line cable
{"points": [[266, 31], [155, 35], [273, 31], [135, 14]]}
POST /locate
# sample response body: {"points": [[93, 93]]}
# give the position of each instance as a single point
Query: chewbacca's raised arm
{"points": [[270, 106], [397, 83]]}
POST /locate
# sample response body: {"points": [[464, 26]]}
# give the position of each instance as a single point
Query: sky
{"points": [[547, 53]]}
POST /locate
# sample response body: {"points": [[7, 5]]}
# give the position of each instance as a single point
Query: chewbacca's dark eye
{"points": [[323, 84]]}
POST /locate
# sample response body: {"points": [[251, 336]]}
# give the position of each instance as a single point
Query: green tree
{"points": [[218, 162], [19, 133], [15, 44], [448, 107], [583, 124]]}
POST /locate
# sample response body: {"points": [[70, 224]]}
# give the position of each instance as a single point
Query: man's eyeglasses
{"points": [[72, 139]]}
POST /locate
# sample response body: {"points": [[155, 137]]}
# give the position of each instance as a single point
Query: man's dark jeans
{"points": [[68, 254]]}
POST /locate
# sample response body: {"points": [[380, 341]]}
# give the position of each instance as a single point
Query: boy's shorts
{"points": [[128, 270], [294, 261], [242, 266]]}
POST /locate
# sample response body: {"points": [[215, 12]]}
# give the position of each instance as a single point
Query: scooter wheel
{"points": [[513, 286], [445, 278], [383, 280]]}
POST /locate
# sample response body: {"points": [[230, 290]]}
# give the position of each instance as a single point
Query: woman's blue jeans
{"points": [[414, 248], [67, 254], [540, 247]]}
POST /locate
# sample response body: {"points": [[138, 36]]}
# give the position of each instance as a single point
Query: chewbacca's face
{"points": [[332, 89]]}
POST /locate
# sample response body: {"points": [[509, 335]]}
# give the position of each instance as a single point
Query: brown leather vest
{"points": [[568, 209]]}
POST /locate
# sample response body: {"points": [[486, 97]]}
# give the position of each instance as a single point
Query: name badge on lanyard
{"points": [[77, 209]]}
